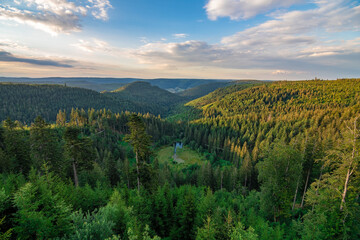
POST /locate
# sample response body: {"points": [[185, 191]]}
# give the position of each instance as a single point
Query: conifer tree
{"points": [[44, 146], [79, 150], [140, 141]]}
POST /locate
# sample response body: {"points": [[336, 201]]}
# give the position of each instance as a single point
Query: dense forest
{"points": [[153, 99], [278, 161], [109, 84], [24, 102]]}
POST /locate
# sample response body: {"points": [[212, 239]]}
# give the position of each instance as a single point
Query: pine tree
{"points": [[79, 150], [44, 146], [140, 141]]}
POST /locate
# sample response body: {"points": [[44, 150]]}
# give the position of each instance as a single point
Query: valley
{"points": [[267, 159]]}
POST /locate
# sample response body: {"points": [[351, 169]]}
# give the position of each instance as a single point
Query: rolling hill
{"points": [[24, 102], [202, 90], [154, 99], [110, 84]]}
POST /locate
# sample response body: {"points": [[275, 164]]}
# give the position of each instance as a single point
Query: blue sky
{"points": [[224, 39]]}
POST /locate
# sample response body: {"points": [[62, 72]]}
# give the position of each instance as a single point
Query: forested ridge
{"points": [[24, 102], [154, 99], [280, 161], [110, 84]]}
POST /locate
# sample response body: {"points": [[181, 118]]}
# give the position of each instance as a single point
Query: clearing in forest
{"points": [[184, 156]]}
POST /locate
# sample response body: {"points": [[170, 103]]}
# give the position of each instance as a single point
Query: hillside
{"points": [[282, 157], [193, 110], [24, 102], [205, 89], [234, 120], [154, 99], [110, 84], [202, 90], [280, 97], [220, 93]]}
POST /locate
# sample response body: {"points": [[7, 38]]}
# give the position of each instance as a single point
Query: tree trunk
{"points": [[245, 180], [350, 168], [76, 180], [138, 172], [306, 184], [296, 191], [345, 190], [318, 185], [221, 182]]}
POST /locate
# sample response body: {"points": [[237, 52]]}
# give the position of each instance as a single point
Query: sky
{"points": [[217, 39]]}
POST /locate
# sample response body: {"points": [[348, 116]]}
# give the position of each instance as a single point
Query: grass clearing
{"points": [[166, 155]]}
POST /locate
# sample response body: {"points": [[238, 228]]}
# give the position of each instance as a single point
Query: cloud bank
{"points": [[296, 42], [244, 9], [9, 57], [53, 16]]}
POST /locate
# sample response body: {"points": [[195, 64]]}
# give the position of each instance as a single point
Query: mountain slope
{"points": [[152, 98], [110, 84], [242, 124], [253, 118], [222, 92], [202, 90], [193, 109], [24, 102], [281, 97]]}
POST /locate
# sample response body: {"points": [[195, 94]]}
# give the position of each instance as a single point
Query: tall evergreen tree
{"points": [[44, 146], [140, 141], [79, 150]]}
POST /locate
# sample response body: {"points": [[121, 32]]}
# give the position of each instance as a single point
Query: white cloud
{"points": [[13, 45], [180, 35], [244, 9], [51, 23], [100, 8], [53, 16], [96, 45], [292, 32], [293, 42], [180, 54]]}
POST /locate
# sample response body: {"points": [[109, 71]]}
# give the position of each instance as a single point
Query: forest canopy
{"points": [[278, 161]]}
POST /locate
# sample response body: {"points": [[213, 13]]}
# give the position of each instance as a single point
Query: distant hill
{"points": [[222, 92], [280, 97], [110, 84], [193, 109], [24, 102], [202, 90], [154, 99]]}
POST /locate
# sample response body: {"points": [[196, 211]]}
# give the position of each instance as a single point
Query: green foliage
{"points": [[138, 137], [6, 235], [140, 141], [15, 150], [97, 225], [279, 173], [334, 196], [79, 150], [41, 213], [185, 211], [249, 162], [202, 90], [24, 102], [44, 146], [239, 232], [207, 232], [152, 98]]}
